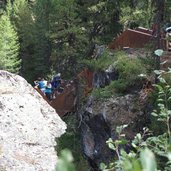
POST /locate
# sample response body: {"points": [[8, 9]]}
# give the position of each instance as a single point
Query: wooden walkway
{"points": [[66, 101]]}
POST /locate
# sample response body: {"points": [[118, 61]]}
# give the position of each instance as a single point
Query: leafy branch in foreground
{"points": [[65, 161]]}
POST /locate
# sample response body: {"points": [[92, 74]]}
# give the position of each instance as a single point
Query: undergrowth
{"points": [[104, 61]]}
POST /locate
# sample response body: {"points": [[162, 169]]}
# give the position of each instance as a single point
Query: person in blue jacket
{"points": [[40, 84]]}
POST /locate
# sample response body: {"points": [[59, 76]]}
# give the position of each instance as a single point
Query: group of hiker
{"points": [[50, 88]]}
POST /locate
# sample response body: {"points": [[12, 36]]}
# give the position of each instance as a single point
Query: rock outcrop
{"points": [[122, 110], [103, 78], [101, 119], [28, 127]]}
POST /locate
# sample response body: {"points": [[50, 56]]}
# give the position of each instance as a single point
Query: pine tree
{"points": [[100, 19], [9, 46], [67, 35], [42, 44], [21, 17]]}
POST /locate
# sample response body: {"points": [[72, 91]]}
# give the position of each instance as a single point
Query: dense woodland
{"points": [[43, 37], [40, 37]]}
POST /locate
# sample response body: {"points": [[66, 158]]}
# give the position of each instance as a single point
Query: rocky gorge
{"points": [[101, 118]]}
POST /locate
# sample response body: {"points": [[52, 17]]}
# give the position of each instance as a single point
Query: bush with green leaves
{"points": [[139, 159], [101, 93], [105, 60], [129, 68], [117, 86], [65, 161]]}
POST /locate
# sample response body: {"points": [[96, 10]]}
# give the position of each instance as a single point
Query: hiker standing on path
{"points": [[48, 91], [56, 83], [40, 84]]}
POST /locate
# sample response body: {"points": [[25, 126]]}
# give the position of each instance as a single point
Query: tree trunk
{"points": [[159, 20]]}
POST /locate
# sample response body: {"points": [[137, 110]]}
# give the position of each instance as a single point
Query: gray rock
{"points": [[28, 127], [121, 110]]}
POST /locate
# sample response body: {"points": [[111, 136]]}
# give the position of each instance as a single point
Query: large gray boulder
{"points": [[28, 127]]}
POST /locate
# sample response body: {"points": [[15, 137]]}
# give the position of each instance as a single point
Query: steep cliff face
{"points": [[28, 127], [101, 118], [95, 132], [100, 122], [121, 110]]}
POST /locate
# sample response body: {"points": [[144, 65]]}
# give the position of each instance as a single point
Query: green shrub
{"points": [[129, 68], [149, 62], [103, 61], [65, 161], [102, 93], [119, 86]]}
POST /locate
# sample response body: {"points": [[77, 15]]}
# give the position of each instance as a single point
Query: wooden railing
{"points": [[138, 38], [66, 101]]}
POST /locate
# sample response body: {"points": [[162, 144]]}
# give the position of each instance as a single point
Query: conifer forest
{"points": [[114, 60]]}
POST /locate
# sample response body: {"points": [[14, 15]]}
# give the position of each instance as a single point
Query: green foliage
{"points": [[65, 161], [167, 10], [139, 15], [42, 46], [101, 93], [100, 19], [139, 159], [103, 61], [129, 68], [21, 17], [117, 86], [2, 6], [161, 144], [59, 34], [23, 21], [9, 8], [67, 36], [31, 24], [9, 46], [167, 76], [149, 63]]}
